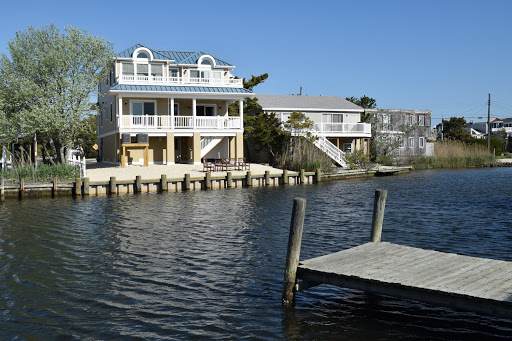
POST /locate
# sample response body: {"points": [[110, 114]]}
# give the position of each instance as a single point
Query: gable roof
{"points": [[291, 102], [179, 57]]}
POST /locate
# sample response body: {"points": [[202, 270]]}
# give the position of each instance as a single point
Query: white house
{"points": [[169, 107]]}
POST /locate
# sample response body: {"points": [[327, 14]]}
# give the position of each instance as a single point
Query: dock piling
{"points": [[86, 186], [187, 182], [248, 179], [78, 187], [138, 184], [379, 206], [301, 176], [293, 251], [112, 185], [267, 178], [2, 191], [229, 180], [208, 180], [163, 183]]}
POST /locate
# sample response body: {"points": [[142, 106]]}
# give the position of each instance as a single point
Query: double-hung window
{"points": [[127, 70], [157, 71], [411, 142], [421, 120], [173, 74], [422, 142], [142, 71]]}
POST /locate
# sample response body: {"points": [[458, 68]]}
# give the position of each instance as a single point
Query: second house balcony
{"points": [[153, 122], [179, 81]]}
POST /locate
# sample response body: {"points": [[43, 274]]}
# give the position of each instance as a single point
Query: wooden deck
{"points": [[461, 282], [446, 279]]}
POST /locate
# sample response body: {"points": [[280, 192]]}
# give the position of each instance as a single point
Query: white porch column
{"points": [[119, 111], [241, 112], [172, 111], [226, 103], [194, 113]]}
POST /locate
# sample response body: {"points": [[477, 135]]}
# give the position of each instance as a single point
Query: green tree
{"points": [[266, 131], [251, 105], [363, 101], [47, 81], [298, 124], [456, 129]]}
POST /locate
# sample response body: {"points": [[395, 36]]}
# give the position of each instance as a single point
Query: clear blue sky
{"points": [[444, 56]]}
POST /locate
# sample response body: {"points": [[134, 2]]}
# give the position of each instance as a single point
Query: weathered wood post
{"points": [[248, 179], [87, 187], [54, 189], [285, 177], [138, 184], [318, 175], [379, 205], [163, 183], [112, 185], [78, 187], [2, 190], [22, 187], [267, 178], [187, 182], [301, 176], [208, 180], [229, 180], [293, 251]]}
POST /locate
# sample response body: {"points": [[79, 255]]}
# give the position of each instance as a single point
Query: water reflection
{"points": [[209, 264]]}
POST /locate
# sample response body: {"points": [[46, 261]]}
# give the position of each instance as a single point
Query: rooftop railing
{"points": [[160, 80]]}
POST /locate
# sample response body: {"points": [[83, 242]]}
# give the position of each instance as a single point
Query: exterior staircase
{"points": [[331, 150], [208, 143]]}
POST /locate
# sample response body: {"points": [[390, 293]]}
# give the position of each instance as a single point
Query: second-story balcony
{"points": [[153, 122], [179, 81], [349, 129]]}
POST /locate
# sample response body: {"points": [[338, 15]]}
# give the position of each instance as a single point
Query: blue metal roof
{"points": [[180, 57], [168, 88]]}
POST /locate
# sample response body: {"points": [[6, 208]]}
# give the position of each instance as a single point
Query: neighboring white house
{"points": [[176, 103], [337, 122]]}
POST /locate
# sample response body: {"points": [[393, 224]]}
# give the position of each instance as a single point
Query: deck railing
{"points": [[180, 122], [160, 80], [348, 128]]}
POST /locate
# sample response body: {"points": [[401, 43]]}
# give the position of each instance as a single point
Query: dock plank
{"points": [[457, 281]]}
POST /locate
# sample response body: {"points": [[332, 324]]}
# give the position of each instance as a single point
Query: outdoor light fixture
{"points": [[189, 106], [125, 103]]}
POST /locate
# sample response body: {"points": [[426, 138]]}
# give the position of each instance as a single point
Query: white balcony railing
{"points": [[343, 128], [149, 122], [159, 80]]}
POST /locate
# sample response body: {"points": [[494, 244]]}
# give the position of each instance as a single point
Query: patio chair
{"points": [[208, 166], [243, 164]]}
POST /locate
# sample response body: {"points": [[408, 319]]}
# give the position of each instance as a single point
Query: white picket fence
{"points": [[76, 161]]}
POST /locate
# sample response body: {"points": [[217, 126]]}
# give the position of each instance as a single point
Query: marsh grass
{"points": [[43, 173], [454, 154], [300, 153]]}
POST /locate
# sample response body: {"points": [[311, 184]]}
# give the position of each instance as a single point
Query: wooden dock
{"points": [[460, 282]]}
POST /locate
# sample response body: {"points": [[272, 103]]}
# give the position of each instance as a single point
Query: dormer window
{"points": [[142, 55], [206, 61]]}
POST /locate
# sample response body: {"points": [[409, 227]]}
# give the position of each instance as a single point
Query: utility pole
{"points": [[489, 125]]}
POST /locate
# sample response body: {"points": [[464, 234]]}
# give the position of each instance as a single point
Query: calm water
{"points": [[209, 264]]}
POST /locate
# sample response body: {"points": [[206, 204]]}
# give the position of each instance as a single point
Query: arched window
{"points": [[142, 55], [206, 61]]}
